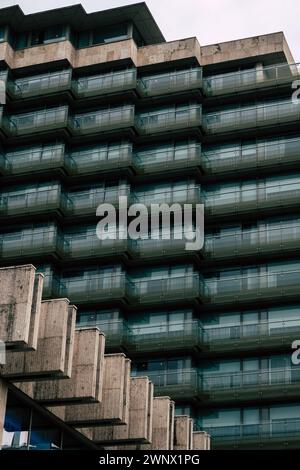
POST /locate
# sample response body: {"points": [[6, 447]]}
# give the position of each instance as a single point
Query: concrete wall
{"points": [[52, 355], [183, 430], [169, 51], [201, 440], [85, 384], [16, 298], [114, 406], [247, 48]]}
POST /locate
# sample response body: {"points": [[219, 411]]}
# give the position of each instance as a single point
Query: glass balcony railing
{"points": [[151, 248], [37, 121], [81, 246], [275, 430], [117, 334], [104, 84], [37, 85], [273, 197], [178, 384], [37, 242], [269, 114], [176, 336], [231, 386], [4, 165], [102, 121], [97, 288], [51, 285], [101, 158], [38, 201], [254, 242], [36, 159], [262, 287], [264, 335], [86, 203], [188, 195], [185, 80], [168, 158], [250, 157], [169, 120], [187, 287], [252, 79]]}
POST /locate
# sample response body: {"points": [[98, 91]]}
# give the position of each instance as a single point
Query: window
{"points": [[2, 33], [103, 35]]}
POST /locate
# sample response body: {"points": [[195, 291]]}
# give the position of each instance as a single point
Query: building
{"points": [[59, 390], [100, 105]]}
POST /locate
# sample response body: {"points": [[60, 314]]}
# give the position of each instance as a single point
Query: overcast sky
{"points": [[211, 21]]}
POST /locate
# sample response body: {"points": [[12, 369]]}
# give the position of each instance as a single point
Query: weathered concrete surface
{"points": [[169, 51], [162, 425], [85, 384], [139, 427], [201, 440], [3, 397], [256, 46], [16, 297], [183, 431], [35, 311], [52, 356], [64, 51], [114, 407]]}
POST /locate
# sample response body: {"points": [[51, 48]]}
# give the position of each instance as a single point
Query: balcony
{"points": [[4, 165], [163, 84], [190, 195], [267, 154], [96, 288], [169, 120], [117, 334], [34, 202], [39, 85], [277, 239], [87, 245], [169, 158], [252, 79], [38, 121], [105, 84], [36, 242], [185, 336], [182, 384], [36, 159], [275, 197], [51, 283], [85, 203], [276, 434], [101, 158], [182, 288], [275, 286], [270, 114], [103, 121], [256, 385], [158, 248], [257, 336]]}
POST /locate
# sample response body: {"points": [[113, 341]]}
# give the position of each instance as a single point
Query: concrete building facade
{"points": [[100, 106]]}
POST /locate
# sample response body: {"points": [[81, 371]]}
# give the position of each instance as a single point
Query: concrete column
{"points": [[183, 433], [85, 384], [16, 297], [162, 425], [114, 407], [139, 428], [201, 440], [49, 359]]}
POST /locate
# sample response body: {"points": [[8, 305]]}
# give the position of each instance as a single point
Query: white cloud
{"points": [[211, 21]]}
